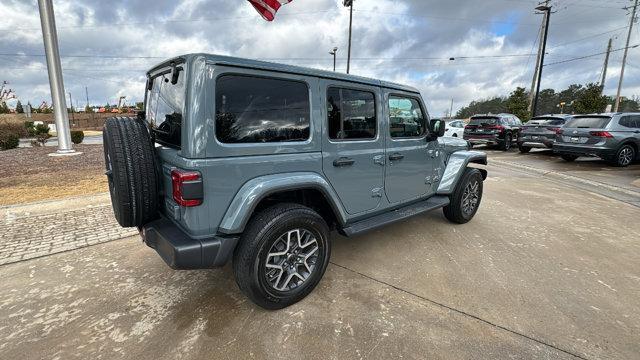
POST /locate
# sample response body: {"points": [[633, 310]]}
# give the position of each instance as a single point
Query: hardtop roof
{"points": [[291, 69]]}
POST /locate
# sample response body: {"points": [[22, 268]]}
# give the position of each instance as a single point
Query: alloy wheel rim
{"points": [[470, 197], [291, 260], [625, 156]]}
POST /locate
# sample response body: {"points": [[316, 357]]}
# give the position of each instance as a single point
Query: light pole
{"points": [[547, 14], [349, 3], [52, 53], [333, 52]]}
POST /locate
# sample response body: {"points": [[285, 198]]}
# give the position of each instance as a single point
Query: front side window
{"points": [[351, 114], [406, 118], [165, 104], [261, 110]]}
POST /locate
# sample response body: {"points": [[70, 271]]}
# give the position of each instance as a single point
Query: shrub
{"points": [[41, 133], [77, 137], [10, 134]]}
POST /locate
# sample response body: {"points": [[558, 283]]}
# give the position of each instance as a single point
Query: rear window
{"points": [[547, 121], [165, 104], [596, 122], [261, 110], [481, 121]]}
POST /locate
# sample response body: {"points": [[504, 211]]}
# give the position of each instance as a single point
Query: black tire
{"points": [[625, 156], [131, 171], [506, 142], [456, 211], [263, 232], [568, 157], [455, 135], [524, 149]]}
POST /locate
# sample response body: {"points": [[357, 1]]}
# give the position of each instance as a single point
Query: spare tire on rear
{"points": [[131, 170]]}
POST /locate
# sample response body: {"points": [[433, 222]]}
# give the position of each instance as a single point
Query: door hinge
{"points": [[376, 192], [378, 159]]}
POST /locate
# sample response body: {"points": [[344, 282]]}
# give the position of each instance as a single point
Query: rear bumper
{"points": [[537, 143], [182, 252], [492, 139], [582, 150]]}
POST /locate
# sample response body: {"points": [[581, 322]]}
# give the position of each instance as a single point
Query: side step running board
{"points": [[362, 226]]}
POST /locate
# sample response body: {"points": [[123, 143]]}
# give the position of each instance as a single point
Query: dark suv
{"points": [[500, 129], [613, 137], [541, 131]]}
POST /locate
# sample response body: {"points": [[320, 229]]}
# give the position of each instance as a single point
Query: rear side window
{"points": [[261, 110], [351, 114], [406, 118], [597, 122], [630, 121], [483, 121]]}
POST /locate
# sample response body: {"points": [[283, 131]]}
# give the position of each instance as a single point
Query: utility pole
{"points": [[606, 65], [349, 3], [547, 10], [624, 57], [535, 72], [71, 108], [50, 37]]}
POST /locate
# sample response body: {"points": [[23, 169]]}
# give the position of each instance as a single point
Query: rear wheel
{"points": [[506, 143], [465, 200], [625, 156], [282, 255], [568, 157]]}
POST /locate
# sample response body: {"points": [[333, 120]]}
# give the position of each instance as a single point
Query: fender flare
{"points": [[253, 191], [456, 164]]}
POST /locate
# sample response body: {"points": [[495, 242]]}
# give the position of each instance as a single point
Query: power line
{"points": [[589, 56]]}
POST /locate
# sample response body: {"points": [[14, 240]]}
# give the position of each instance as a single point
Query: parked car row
{"points": [[614, 137]]}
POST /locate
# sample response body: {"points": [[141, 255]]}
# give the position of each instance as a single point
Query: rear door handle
{"points": [[396, 156], [343, 161]]}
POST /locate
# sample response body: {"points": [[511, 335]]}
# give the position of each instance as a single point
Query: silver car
{"points": [[614, 137]]}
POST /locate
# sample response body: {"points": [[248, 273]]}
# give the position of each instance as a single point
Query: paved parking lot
{"points": [[547, 269]]}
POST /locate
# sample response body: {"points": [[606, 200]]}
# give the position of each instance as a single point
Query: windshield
{"points": [[165, 104], [590, 122], [546, 121], [483, 121]]}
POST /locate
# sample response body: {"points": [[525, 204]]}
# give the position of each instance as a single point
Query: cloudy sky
{"points": [[107, 45]]}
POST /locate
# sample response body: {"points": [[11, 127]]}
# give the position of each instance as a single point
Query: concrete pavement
{"points": [[545, 270]]}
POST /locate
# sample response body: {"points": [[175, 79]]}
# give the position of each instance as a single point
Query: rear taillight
{"points": [[555, 129], [187, 187], [559, 131], [604, 134]]}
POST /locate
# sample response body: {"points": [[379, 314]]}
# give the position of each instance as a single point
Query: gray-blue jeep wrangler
{"points": [[259, 162]]}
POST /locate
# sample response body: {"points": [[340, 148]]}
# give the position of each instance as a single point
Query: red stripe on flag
{"points": [[268, 8]]}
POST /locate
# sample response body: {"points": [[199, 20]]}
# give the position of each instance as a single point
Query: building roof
{"points": [[290, 69]]}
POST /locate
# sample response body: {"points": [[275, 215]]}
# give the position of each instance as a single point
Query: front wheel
{"points": [[282, 255], [465, 200]]}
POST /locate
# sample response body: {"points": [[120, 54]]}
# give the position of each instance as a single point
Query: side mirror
{"points": [[436, 128]]}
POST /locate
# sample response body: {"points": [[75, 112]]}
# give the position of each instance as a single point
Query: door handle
{"points": [[343, 161], [396, 156]]}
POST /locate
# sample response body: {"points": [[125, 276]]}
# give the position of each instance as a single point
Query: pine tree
{"points": [[19, 108], [590, 100], [518, 104]]}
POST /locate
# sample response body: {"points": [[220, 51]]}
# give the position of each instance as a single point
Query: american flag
{"points": [[268, 8]]}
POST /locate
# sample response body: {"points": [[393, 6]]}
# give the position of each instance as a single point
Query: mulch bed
{"points": [[29, 174]]}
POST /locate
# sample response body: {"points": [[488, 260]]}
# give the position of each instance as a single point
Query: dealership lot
{"points": [[549, 268]]}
